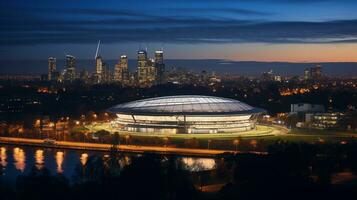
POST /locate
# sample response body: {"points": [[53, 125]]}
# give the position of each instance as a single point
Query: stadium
{"points": [[185, 114]]}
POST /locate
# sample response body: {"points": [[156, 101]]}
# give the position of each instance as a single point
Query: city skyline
{"points": [[257, 30], [180, 99]]}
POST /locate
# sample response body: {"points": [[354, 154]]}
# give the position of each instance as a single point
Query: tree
{"points": [[291, 120], [143, 179], [40, 184], [114, 157], [178, 181], [192, 143], [102, 135]]}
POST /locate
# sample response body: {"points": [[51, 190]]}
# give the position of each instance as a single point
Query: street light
{"points": [[236, 143], [166, 139], [254, 143], [208, 143], [127, 138]]}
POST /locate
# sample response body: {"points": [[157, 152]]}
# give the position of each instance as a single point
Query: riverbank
{"points": [[122, 148]]}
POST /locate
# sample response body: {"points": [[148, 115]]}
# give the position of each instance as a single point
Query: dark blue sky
{"points": [[265, 30]]}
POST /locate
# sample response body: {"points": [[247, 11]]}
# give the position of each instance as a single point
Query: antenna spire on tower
{"points": [[96, 53]]}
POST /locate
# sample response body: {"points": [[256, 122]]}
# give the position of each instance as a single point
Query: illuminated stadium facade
{"points": [[185, 114]]}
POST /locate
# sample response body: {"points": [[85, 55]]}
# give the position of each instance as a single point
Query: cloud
{"points": [[296, 1], [237, 11], [36, 26]]}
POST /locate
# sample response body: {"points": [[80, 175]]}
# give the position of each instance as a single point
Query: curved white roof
{"points": [[185, 104]]}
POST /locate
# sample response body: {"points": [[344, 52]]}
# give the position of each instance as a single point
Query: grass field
{"points": [[258, 139], [260, 131]]}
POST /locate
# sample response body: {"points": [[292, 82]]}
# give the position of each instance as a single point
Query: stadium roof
{"points": [[185, 104]]}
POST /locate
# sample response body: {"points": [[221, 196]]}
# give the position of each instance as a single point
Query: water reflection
{"points": [[59, 161], [39, 159], [198, 164], [20, 159], [125, 161], [84, 158], [65, 161], [3, 157]]}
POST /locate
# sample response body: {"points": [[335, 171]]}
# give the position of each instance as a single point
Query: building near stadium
{"points": [[188, 114]]}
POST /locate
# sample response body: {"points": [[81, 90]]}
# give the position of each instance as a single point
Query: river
{"points": [[18, 160]]}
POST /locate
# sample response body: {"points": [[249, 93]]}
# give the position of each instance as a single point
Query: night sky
{"points": [[259, 30]]}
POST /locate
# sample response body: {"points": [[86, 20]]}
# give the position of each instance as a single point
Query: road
{"points": [[106, 147]]}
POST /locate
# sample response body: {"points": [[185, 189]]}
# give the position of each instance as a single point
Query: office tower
{"points": [[142, 66], [121, 72], [118, 72], [51, 67], [98, 74], [106, 75], [150, 71], [69, 73], [316, 72], [84, 75], [306, 74], [98, 65], [95, 78], [124, 66], [98, 69], [277, 78], [160, 66], [70, 61]]}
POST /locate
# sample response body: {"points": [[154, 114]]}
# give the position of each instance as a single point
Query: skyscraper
{"points": [[142, 66], [69, 73], [98, 65], [106, 75], [83, 75], [98, 75], [307, 74], [70, 61], [121, 72], [51, 67], [160, 66], [316, 72], [150, 72]]}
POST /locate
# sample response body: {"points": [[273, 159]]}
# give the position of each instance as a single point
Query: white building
{"points": [[306, 108], [186, 114]]}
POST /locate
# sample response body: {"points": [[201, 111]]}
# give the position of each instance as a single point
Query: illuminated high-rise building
{"points": [[69, 73], [106, 75], [70, 61], [316, 72], [150, 71], [159, 57], [83, 75], [51, 67], [98, 69], [160, 66], [98, 65], [121, 72], [307, 74], [98, 74], [142, 66]]}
